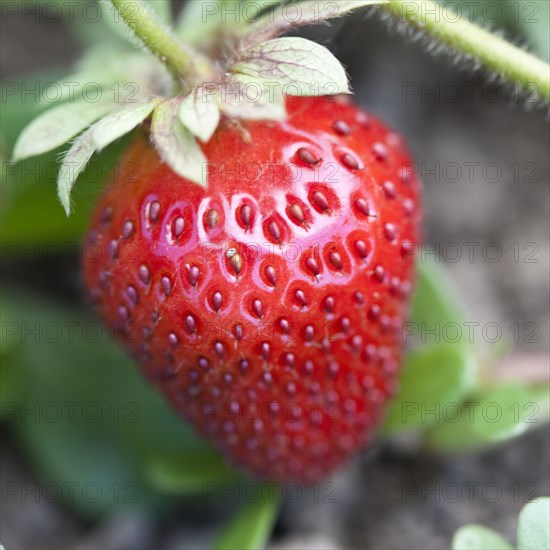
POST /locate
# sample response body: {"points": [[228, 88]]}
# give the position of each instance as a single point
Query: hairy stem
{"points": [[495, 53], [182, 62]]}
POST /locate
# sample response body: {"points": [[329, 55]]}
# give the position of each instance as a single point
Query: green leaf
{"points": [[72, 87], [288, 17], [251, 528], [125, 78], [534, 525], [490, 416], [57, 126], [30, 187], [251, 98], [66, 361], [436, 376], [466, 418], [312, 12], [433, 378], [73, 164], [436, 313], [261, 4], [176, 145], [16, 113], [478, 537], [510, 410], [253, 8], [435, 298], [300, 66], [200, 113], [121, 122], [188, 473]]}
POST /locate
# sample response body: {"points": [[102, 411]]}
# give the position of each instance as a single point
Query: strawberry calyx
{"points": [[195, 87]]}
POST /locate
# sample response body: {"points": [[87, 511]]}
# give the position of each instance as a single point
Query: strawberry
{"points": [[255, 254], [267, 307]]}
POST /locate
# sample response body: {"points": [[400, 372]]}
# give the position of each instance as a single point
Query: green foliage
{"points": [[57, 126], [29, 186], [251, 528], [534, 525], [478, 537], [491, 415], [82, 411], [186, 473], [435, 375], [293, 61], [432, 378], [435, 298], [533, 532], [85, 418], [443, 393]]}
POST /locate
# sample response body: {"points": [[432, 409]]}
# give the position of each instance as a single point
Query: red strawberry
{"points": [[268, 307]]}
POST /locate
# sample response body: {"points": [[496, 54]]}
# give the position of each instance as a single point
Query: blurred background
{"points": [[78, 423]]}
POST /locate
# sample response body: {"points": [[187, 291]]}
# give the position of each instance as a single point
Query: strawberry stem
{"points": [[185, 64], [495, 53]]}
